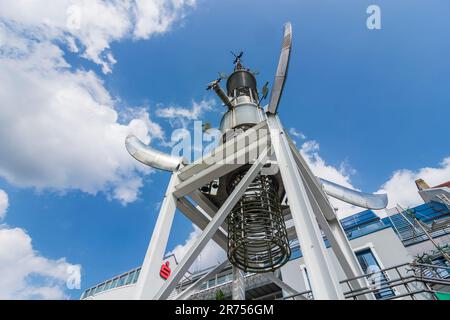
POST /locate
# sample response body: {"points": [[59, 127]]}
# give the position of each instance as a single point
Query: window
{"points": [[85, 294], [121, 280], [114, 283], [108, 285], [100, 288], [211, 283], [130, 278], [222, 279], [138, 271], [370, 265]]}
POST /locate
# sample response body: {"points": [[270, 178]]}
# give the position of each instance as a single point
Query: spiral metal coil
{"points": [[257, 236]]}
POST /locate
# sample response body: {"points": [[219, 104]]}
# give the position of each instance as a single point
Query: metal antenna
{"points": [[237, 60]]}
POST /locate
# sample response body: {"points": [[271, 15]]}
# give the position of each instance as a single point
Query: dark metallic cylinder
{"points": [[241, 79]]}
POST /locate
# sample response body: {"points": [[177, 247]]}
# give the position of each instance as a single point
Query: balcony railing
{"points": [[407, 281]]}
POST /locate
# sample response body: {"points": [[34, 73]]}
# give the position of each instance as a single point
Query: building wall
{"points": [[385, 244], [427, 246]]}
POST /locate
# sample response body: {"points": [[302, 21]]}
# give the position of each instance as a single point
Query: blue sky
{"points": [[375, 101]]}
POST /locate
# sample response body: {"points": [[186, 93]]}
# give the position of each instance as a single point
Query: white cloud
{"points": [[211, 255], [297, 134], [25, 274], [59, 127], [342, 175], [401, 187], [157, 16], [4, 204], [181, 116], [89, 26]]}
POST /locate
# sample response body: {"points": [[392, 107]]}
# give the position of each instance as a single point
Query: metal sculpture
{"points": [[245, 215]]}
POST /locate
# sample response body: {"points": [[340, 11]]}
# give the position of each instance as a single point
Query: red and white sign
{"points": [[165, 271]]}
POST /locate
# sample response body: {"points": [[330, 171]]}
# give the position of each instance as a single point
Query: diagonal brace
{"points": [[212, 227], [186, 294]]}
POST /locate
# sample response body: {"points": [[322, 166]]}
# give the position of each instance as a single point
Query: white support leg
{"points": [[341, 248], [324, 283], [331, 226], [238, 285], [149, 280], [212, 227]]}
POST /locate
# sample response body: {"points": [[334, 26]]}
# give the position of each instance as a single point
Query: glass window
{"points": [[222, 279], [211, 283], [108, 285], [94, 290], [138, 271], [114, 283], [100, 288], [130, 278], [377, 279], [121, 280], [85, 294]]}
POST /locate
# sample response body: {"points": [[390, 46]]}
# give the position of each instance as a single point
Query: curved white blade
{"points": [[283, 64], [357, 198], [151, 157]]}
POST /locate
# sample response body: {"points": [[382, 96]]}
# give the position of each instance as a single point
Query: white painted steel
{"points": [[149, 280], [324, 283], [282, 70], [212, 227]]}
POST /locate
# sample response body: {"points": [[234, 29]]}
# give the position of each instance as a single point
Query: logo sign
{"points": [[165, 271]]}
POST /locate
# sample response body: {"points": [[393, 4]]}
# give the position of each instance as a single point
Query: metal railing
{"points": [[411, 281], [304, 295], [414, 281]]}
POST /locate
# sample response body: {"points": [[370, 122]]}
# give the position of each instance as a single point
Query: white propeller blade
{"points": [[283, 64]]}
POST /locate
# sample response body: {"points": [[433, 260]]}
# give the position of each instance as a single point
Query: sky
{"points": [[368, 109]]}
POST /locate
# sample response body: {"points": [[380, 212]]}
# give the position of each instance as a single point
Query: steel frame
{"points": [[309, 206]]}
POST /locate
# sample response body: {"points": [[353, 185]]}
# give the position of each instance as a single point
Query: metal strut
{"points": [[211, 228]]}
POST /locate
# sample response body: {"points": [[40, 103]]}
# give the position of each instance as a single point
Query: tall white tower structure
{"points": [[243, 194]]}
